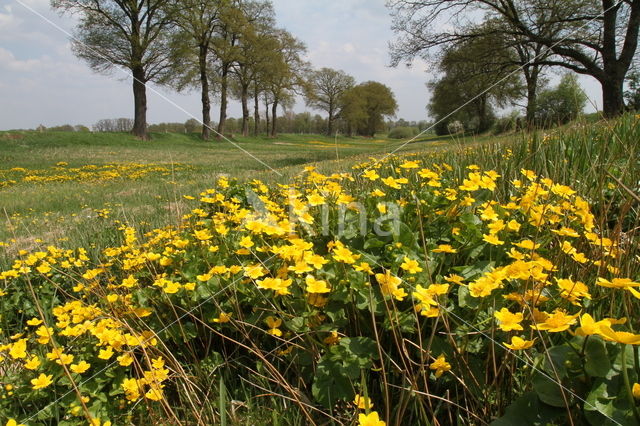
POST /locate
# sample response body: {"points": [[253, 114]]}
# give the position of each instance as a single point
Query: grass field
{"points": [[458, 281], [80, 210]]}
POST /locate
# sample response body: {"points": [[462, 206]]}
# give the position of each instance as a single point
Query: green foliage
{"points": [[632, 94], [365, 107], [402, 132], [562, 104], [467, 92]]}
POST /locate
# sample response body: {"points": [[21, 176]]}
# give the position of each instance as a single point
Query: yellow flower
{"points": [[440, 365], [527, 245], [13, 422], [617, 283], [411, 266], [371, 419], [508, 321], [364, 267], [315, 199], [556, 322], [316, 286], [273, 324], [363, 402], [34, 322], [246, 242], [492, 239], [33, 363], [389, 285], [171, 287], [636, 390], [332, 339], [518, 343], [106, 353], [343, 254], [222, 318], [444, 248], [619, 336], [513, 226], [203, 235], [42, 381], [80, 367], [254, 271], [279, 285], [18, 349], [410, 165], [125, 360], [132, 389], [371, 175]]}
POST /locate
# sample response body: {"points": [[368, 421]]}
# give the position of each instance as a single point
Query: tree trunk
{"points": [[245, 109], [256, 112], [274, 118], [223, 100], [140, 103], [266, 114], [204, 87], [612, 96], [330, 122], [532, 98]]}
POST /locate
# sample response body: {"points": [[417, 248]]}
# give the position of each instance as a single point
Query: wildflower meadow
{"points": [[491, 283]]}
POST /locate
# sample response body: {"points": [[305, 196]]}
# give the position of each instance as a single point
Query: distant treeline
{"points": [[290, 122]]}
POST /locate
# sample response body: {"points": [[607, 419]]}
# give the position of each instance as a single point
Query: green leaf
{"points": [[406, 236], [465, 300], [331, 383], [597, 362], [362, 347], [548, 390], [528, 410]]}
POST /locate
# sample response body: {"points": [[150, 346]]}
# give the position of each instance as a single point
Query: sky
{"points": [[42, 82]]}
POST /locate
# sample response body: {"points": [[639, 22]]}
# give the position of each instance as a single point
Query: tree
{"points": [[225, 46], [632, 94], [324, 92], [130, 34], [562, 104], [475, 77], [284, 73], [591, 37], [197, 21], [192, 125], [255, 49], [365, 107]]}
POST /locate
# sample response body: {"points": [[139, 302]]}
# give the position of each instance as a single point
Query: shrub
{"points": [[403, 132], [562, 104], [455, 127]]}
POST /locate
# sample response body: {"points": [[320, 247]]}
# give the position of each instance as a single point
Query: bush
{"points": [[403, 132], [506, 124], [455, 127], [562, 104]]}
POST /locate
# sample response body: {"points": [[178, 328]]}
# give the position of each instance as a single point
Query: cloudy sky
{"points": [[41, 82]]}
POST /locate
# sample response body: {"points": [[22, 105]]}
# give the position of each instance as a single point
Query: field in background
{"points": [[68, 188]]}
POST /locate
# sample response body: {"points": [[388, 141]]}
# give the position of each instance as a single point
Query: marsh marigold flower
{"points": [[42, 381], [518, 343], [440, 365], [508, 321], [363, 402], [371, 419]]}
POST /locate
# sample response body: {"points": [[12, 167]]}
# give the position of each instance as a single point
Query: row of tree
{"points": [[496, 51], [231, 48]]}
